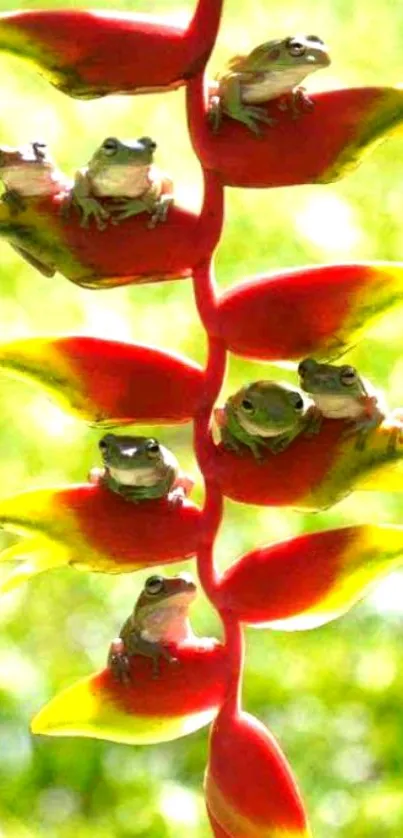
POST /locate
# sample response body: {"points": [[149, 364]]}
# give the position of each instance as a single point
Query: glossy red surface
{"points": [[319, 146], [150, 532], [196, 682], [251, 773], [286, 578], [133, 382], [314, 302], [75, 47], [282, 479]]}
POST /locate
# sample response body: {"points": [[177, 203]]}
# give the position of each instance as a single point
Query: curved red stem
{"points": [[206, 300]]}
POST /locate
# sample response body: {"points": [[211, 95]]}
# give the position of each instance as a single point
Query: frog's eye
{"points": [[295, 48], [152, 448], [306, 366], [110, 146], [247, 406], [348, 376], [297, 401], [154, 585], [148, 143]]}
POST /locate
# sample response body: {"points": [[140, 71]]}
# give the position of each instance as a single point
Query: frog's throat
{"points": [[143, 476]]}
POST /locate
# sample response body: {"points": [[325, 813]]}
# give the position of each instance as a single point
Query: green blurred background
{"points": [[333, 696]]}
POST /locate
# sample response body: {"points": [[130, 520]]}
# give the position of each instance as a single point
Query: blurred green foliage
{"points": [[333, 696]]}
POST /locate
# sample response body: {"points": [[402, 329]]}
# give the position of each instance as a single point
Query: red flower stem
{"points": [[196, 109], [235, 646], [206, 301]]}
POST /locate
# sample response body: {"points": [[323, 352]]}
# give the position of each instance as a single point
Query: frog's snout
{"points": [[188, 579]]}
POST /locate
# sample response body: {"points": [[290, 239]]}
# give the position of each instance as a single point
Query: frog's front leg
{"points": [[88, 206], [126, 207], [363, 427], [181, 489], [14, 201], [118, 661], [300, 102], [312, 421], [233, 105], [136, 644], [160, 209], [161, 652], [277, 444], [229, 441]]}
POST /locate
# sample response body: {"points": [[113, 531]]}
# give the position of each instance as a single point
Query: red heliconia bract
{"points": [[107, 382], [331, 305], [183, 698], [320, 146], [316, 471], [249, 788], [129, 252], [309, 580], [100, 530], [92, 53]]}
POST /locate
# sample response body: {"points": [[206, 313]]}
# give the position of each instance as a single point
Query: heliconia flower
{"points": [[249, 788], [107, 382], [319, 146], [121, 254], [91, 528], [332, 306], [309, 580], [73, 48], [182, 699], [317, 471]]}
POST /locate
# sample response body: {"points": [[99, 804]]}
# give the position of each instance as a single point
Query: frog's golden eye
{"points": [[152, 448], [247, 406], [348, 376], [154, 585], [297, 401], [110, 146], [295, 48]]}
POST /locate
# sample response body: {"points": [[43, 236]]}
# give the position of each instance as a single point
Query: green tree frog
{"points": [[160, 617], [29, 172], [122, 171], [340, 393], [272, 70], [139, 468], [263, 415]]}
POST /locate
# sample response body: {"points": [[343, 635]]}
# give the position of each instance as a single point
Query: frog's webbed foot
{"points": [[14, 201], [162, 653], [91, 208], [251, 115], [312, 421], [160, 210], [300, 103], [118, 661], [278, 445], [229, 441], [177, 496], [362, 429], [126, 208]]}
